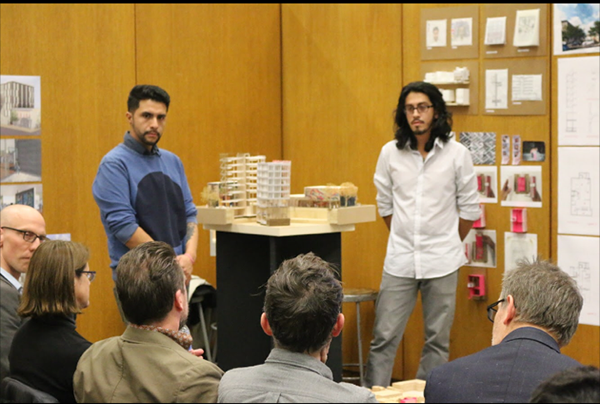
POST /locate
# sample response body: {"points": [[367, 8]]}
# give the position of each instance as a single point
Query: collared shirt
{"points": [[11, 279], [136, 146], [288, 377], [426, 199]]}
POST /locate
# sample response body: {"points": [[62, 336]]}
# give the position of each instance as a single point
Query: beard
{"points": [[150, 142]]}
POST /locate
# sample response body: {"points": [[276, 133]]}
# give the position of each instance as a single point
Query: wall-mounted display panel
{"points": [[450, 33], [491, 24], [472, 85], [515, 87]]}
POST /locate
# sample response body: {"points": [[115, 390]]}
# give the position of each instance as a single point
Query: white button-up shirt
{"points": [[426, 199]]}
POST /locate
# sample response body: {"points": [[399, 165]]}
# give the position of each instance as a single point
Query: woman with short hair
{"points": [[46, 349]]}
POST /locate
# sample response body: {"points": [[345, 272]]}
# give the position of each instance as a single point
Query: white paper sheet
{"points": [[511, 194], [527, 87], [496, 89], [579, 101], [578, 190], [461, 32], [436, 33], [495, 31], [519, 246], [527, 28], [578, 256]]}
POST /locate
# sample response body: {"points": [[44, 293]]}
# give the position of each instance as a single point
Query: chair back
{"points": [[14, 391]]}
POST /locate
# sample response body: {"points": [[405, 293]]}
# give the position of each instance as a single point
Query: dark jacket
{"points": [[506, 372]]}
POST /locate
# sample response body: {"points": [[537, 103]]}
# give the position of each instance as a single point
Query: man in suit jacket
{"points": [[23, 229], [537, 314], [152, 360]]}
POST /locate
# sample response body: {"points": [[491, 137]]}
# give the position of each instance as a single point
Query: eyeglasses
{"points": [[492, 310], [422, 108], [91, 275], [28, 236]]}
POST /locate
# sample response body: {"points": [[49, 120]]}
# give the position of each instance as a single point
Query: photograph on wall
{"points": [[22, 194], [482, 146], [495, 31], [487, 180], [20, 160], [436, 33], [578, 196], [20, 105], [480, 248], [519, 246], [521, 186], [461, 32], [527, 28], [534, 151], [576, 28], [578, 256], [579, 101]]}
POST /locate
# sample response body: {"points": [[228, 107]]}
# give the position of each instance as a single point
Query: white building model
{"points": [[274, 193], [239, 182]]}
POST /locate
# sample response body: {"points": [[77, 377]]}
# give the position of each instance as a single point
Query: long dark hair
{"points": [[441, 127]]}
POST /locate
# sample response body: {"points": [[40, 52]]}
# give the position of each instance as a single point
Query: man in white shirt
{"points": [[23, 229], [427, 196]]}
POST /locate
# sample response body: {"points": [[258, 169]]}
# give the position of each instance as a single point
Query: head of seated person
{"points": [[302, 308], [575, 385], [58, 280], [45, 350]]}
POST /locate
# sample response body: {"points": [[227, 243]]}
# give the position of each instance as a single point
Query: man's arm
{"points": [[139, 237], [187, 259], [464, 226]]}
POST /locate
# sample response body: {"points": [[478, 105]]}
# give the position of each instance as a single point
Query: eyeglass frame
{"points": [[492, 309], [422, 108], [91, 275], [25, 232]]}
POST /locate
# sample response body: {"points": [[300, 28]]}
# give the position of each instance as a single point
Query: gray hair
{"points": [[545, 296]]}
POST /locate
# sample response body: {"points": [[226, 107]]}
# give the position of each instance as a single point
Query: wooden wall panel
{"points": [[85, 57], [221, 65], [341, 81]]}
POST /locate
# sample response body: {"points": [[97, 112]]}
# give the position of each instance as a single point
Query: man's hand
{"points": [[186, 264], [197, 352]]}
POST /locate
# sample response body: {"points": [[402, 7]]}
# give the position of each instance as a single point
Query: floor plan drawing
{"points": [[581, 195]]}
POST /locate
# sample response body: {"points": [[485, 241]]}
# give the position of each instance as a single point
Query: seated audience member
{"points": [[575, 385], [537, 314], [151, 361], [302, 314], [45, 350], [22, 230]]}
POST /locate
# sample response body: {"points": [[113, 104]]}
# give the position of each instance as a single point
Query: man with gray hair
{"points": [[302, 312], [152, 361], [537, 314]]}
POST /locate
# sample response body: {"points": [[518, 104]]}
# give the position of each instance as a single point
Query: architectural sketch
{"points": [[579, 101], [581, 195], [496, 89]]}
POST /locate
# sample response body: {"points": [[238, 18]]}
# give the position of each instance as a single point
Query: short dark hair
{"points": [[576, 385], [302, 303], [146, 92], [441, 127], [148, 276]]}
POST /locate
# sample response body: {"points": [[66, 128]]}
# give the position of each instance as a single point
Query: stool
{"points": [[357, 296]]}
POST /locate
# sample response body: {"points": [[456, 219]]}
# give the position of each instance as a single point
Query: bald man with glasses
{"points": [[22, 230]]}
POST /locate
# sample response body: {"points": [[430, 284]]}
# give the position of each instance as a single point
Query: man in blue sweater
{"points": [[142, 191]]}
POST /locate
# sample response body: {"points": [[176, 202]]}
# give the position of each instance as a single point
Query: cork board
{"points": [[447, 14], [510, 12], [527, 66]]}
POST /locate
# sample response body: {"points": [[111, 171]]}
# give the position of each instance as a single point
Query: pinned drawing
{"points": [[482, 146], [579, 101], [496, 89]]}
